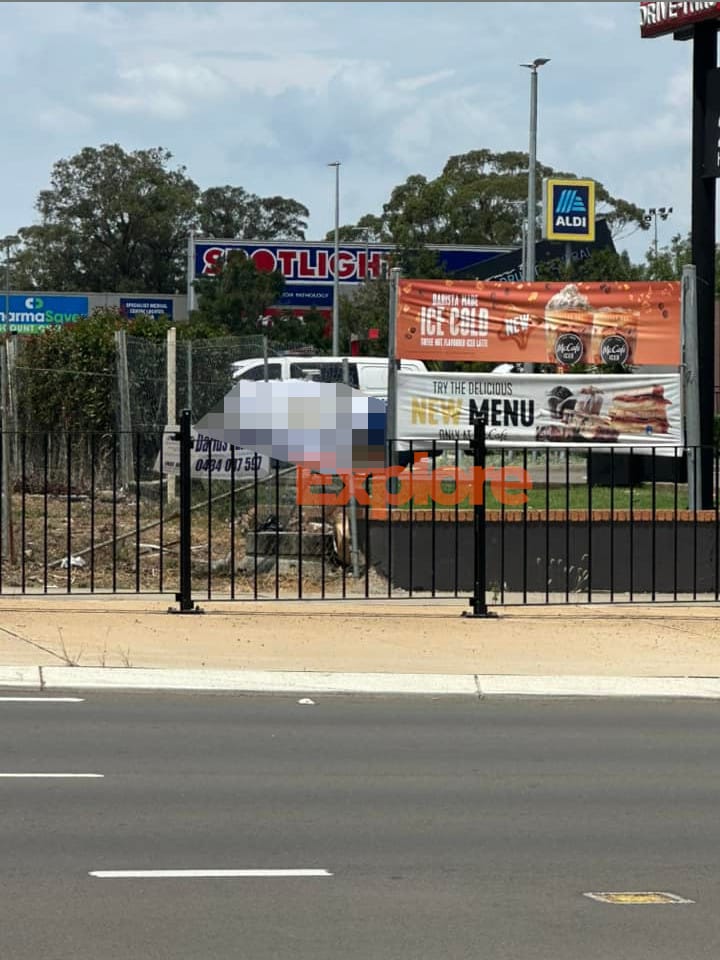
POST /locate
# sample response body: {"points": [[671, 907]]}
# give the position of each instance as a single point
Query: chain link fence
{"points": [[56, 397]]}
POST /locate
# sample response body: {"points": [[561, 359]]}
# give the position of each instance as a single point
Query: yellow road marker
{"points": [[637, 897]]}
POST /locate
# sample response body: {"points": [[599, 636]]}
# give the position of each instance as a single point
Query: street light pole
{"points": [[532, 200], [8, 242], [7, 285], [336, 301], [653, 214]]}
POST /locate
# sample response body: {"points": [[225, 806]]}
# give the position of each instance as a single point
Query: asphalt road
{"points": [[451, 829]]}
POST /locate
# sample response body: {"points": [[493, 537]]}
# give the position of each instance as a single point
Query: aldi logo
{"points": [[569, 210]]}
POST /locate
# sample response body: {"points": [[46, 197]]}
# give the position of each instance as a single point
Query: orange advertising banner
{"points": [[636, 323]]}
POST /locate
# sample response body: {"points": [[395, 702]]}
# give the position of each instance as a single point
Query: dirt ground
{"points": [[398, 637]]}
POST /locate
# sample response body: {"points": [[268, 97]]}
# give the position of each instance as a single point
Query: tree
{"points": [[479, 198], [288, 331], [111, 220], [669, 262], [68, 375], [238, 296], [367, 307], [233, 213], [118, 221], [601, 265]]}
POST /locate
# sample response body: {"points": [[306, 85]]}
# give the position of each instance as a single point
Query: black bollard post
{"points": [[478, 601], [184, 597]]}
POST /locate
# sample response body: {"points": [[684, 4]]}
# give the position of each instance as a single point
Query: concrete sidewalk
{"points": [[395, 638]]}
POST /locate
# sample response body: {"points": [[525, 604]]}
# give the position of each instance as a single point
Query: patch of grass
{"points": [[581, 497]]}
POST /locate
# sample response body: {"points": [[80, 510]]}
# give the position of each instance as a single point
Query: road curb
{"points": [[479, 686]]}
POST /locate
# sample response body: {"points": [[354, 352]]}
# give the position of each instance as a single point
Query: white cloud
{"points": [[157, 105], [679, 89], [264, 94], [60, 119], [424, 80]]}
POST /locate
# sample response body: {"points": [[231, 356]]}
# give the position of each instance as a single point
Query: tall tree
{"points": [[232, 213], [111, 220], [479, 198]]}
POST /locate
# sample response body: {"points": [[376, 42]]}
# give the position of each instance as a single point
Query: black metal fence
{"points": [[98, 514]]}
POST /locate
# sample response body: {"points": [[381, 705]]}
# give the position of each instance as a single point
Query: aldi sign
{"points": [[569, 210]]}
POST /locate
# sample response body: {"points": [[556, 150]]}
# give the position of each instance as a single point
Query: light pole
{"points": [[532, 203], [8, 243], [336, 302], [652, 215]]}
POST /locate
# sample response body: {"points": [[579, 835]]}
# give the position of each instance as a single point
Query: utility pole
{"points": [[652, 215], [336, 302], [532, 168]]}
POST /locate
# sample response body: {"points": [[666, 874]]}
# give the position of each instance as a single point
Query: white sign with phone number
{"points": [[213, 458]]}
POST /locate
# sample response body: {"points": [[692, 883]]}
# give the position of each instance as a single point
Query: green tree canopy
{"points": [[111, 220], [119, 221], [479, 198], [231, 212], [289, 332], [238, 296], [367, 307], [600, 265]]}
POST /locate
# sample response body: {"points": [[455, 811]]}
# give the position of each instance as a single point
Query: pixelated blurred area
{"points": [[325, 426]]}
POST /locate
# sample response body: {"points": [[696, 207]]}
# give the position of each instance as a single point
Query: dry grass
{"points": [[124, 546]]}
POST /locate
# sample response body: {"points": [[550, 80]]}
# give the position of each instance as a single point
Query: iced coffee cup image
{"points": [[614, 336], [567, 327]]}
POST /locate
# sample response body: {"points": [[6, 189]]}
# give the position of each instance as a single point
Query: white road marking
{"points": [[129, 874], [42, 700], [9, 776], [638, 897]]}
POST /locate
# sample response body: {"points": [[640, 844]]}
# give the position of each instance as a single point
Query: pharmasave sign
{"points": [[542, 409], [637, 324], [658, 18], [34, 314]]}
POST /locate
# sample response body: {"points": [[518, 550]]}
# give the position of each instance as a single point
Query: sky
{"points": [[265, 95]]}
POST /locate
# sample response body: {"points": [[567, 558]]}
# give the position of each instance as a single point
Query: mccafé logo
{"points": [[398, 487], [301, 263]]}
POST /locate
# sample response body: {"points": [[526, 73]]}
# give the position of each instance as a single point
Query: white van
{"points": [[368, 374]]}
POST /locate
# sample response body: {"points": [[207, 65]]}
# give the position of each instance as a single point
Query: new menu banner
{"points": [[637, 324], [542, 409]]}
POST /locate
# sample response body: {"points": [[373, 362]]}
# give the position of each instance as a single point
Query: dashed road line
{"points": [[51, 776], [202, 874]]}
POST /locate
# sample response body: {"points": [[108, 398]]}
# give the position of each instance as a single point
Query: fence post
{"points": [[7, 544], [478, 601], [127, 469], [184, 597], [171, 385]]}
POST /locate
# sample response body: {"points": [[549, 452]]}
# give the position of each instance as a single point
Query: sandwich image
{"points": [[590, 401], [640, 411], [589, 426], [578, 428]]}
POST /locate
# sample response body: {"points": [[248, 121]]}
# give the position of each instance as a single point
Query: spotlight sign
{"points": [[569, 210], [658, 18]]}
